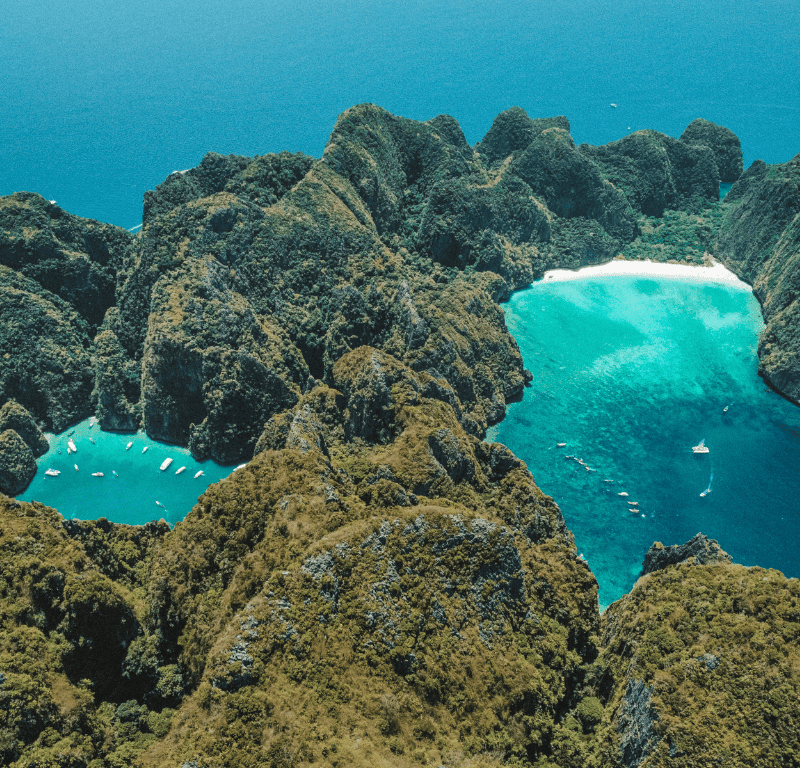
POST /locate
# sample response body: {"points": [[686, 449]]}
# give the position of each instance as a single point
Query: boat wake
{"points": [[708, 490]]}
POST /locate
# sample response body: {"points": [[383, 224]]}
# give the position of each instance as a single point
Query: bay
{"points": [[630, 372], [132, 490]]}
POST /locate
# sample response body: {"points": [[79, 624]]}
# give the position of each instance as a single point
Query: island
{"points": [[378, 584]]}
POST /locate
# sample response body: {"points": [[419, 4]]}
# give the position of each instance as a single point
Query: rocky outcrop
{"points": [[685, 645], [14, 416], [265, 180], [699, 550], [512, 131], [17, 465], [760, 241], [723, 142], [45, 351], [76, 259], [636, 724], [572, 185], [657, 172]]}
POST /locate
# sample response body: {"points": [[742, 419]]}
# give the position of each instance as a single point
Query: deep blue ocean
{"points": [[631, 373], [102, 101]]}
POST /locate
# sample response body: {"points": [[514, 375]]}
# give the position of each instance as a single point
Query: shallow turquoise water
{"points": [[630, 373], [132, 482]]}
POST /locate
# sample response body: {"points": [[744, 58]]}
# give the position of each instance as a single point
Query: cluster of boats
{"points": [[633, 506], [72, 448]]}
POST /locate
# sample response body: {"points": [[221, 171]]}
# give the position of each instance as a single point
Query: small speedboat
{"points": [[159, 504], [165, 464], [622, 493], [701, 447], [128, 446], [198, 474], [76, 467], [145, 448], [52, 472], [178, 471], [634, 503], [71, 445], [561, 445], [97, 474]]}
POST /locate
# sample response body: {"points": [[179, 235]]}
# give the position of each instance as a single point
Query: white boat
{"points": [[128, 446], [241, 466], [69, 451], [198, 474], [622, 493], [560, 445], [634, 503], [165, 464], [159, 504], [701, 447], [71, 445], [145, 448], [178, 471], [97, 474], [76, 467], [52, 472]]}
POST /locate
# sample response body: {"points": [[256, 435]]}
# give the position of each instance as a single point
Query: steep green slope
{"points": [[760, 241]]}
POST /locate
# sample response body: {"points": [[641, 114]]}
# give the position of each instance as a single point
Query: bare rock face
{"points": [[17, 465], [699, 550], [723, 142], [14, 416], [636, 724]]}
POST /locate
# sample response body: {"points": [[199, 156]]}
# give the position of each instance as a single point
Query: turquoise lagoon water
{"points": [[132, 482], [630, 373]]}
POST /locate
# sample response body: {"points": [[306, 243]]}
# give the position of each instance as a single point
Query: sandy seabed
{"points": [[715, 273]]}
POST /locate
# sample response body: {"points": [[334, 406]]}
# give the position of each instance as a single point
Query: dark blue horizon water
{"points": [[630, 373], [133, 489], [102, 101]]}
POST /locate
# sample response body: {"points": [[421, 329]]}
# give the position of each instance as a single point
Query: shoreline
{"points": [[716, 273]]}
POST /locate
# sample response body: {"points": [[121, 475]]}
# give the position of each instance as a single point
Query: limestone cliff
{"points": [[760, 241]]}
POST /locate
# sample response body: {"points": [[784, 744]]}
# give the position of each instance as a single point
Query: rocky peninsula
{"points": [[380, 585]]}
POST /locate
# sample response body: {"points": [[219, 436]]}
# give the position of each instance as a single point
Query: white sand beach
{"points": [[715, 273]]}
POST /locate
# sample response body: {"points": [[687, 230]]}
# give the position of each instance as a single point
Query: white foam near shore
{"points": [[715, 273]]}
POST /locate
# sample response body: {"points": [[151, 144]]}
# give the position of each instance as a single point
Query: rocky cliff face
{"points": [[760, 241]]}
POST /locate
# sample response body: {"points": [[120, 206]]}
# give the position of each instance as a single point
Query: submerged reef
{"points": [[379, 585]]}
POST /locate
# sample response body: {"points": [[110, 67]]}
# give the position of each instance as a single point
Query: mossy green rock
{"points": [[695, 645], [512, 131], [723, 142], [657, 172], [45, 351], [760, 240], [14, 416], [17, 465], [74, 258]]}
